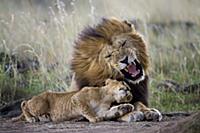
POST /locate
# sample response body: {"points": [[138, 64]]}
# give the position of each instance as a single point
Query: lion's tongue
{"points": [[133, 70]]}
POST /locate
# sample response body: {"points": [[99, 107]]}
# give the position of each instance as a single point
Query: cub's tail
{"points": [[18, 118], [21, 117]]}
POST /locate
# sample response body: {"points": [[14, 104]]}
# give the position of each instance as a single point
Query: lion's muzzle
{"points": [[131, 68]]}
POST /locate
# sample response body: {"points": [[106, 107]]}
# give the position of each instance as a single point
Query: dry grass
{"points": [[30, 29]]}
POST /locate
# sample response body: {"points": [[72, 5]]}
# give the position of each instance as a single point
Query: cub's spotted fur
{"points": [[93, 103]]}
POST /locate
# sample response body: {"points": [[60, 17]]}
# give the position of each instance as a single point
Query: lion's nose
{"points": [[125, 60]]}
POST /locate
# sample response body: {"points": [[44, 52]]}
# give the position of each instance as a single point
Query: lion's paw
{"points": [[153, 115], [132, 117], [136, 116]]}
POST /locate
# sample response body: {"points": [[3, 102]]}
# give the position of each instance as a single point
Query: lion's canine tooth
{"points": [[126, 69]]}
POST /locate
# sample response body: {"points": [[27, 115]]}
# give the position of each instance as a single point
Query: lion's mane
{"points": [[90, 69]]}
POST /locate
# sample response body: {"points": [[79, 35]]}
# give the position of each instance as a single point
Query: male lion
{"points": [[93, 103], [114, 49]]}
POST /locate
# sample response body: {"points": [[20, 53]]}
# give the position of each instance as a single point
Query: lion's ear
{"points": [[128, 23], [131, 25], [133, 28]]}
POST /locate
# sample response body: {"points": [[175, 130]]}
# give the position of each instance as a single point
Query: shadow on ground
{"points": [[172, 122]]}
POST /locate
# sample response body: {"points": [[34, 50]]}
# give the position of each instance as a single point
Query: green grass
{"points": [[175, 55], [167, 101], [18, 86], [28, 30]]}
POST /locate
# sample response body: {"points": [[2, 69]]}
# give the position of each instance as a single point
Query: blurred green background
{"points": [[37, 37]]}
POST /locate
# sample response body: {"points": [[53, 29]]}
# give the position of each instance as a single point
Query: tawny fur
{"points": [[88, 62], [97, 53], [93, 103]]}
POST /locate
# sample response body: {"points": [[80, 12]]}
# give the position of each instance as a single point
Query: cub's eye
{"points": [[123, 44], [108, 56], [122, 89]]}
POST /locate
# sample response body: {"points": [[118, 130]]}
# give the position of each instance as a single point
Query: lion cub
{"points": [[93, 103]]}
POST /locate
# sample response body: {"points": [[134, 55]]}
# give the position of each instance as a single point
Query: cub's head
{"points": [[111, 49], [119, 90]]}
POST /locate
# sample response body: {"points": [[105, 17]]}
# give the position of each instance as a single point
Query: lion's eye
{"points": [[128, 23], [123, 44], [108, 56]]}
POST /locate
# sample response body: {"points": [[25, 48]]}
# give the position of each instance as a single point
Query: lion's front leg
{"points": [[140, 113], [150, 114], [132, 117], [116, 111]]}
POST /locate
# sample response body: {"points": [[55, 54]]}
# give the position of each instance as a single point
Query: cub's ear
{"points": [[108, 81]]}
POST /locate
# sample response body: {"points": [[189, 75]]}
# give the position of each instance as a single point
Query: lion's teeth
{"points": [[126, 69]]}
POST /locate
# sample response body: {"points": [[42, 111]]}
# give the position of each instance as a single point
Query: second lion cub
{"points": [[93, 103]]}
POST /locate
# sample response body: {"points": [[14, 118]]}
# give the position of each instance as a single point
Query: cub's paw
{"points": [[153, 115], [125, 108], [44, 118], [95, 119], [118, 111], [32, 119], [132, 117]]}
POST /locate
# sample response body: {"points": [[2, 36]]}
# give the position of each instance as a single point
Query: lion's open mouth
{"points": [[131, 68]]}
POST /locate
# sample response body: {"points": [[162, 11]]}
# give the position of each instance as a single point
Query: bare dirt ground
{"points": [[169, 119]]}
